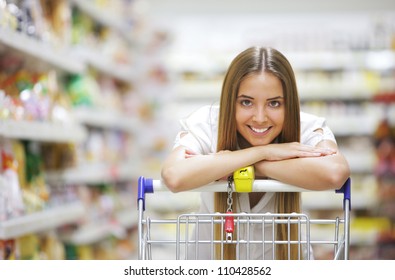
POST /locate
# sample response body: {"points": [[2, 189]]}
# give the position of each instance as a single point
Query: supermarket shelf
{"points": [[363, 231], [119, 71], [41, 51], [105, 119], [43, 131], [353, 125], [361, 162], [101, 15], [41, 221], [95, 232], [127, 217], [95, 173], [73, 60], [38, 55], [358, 237], [330, 201]]}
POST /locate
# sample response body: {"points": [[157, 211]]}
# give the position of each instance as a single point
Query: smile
{"points": [[259, 130]]}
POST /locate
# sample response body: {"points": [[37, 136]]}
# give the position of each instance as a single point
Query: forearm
{"points": [[180, 173], [315, 173]]}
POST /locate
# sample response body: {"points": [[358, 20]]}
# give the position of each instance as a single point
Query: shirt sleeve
{"points": [[199, 131], [314, 130]]}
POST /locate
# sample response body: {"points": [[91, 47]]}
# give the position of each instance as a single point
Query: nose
{"points": [[259, 115]]}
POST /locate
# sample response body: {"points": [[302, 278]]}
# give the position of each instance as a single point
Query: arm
{"points": [[316, 173], [181, 171]]}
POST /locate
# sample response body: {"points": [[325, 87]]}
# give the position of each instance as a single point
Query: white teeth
{"points": [[259, 130]]}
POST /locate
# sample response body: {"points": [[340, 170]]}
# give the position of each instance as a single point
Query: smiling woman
{"points": [[258, 123]]}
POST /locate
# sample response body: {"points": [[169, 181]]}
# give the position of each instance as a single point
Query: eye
{"points": [[246, 102], [274, 103]]}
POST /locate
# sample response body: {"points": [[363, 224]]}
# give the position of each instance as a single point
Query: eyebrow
{"points": [[269, 99]]}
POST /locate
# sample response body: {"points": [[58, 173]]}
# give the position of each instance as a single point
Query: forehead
{"points": [[264, 83]]}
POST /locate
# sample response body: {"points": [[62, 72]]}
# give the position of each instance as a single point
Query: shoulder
{"points": [[201, 129]]}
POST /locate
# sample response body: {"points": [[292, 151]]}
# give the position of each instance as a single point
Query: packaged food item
{"points": [[28, 247], [10, 192], [36, 192], [51, 247], [8, 249], [57, 18]]}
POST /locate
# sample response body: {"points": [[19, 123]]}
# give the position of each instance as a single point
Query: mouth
{"points": [[259, 130]]}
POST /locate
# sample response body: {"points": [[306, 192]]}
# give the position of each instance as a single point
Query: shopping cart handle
{"points": [[146, 185], [346, 191]]}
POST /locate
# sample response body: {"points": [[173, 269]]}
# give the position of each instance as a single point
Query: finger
{"points": [[326, 151], [190, 152], [309, 154]]}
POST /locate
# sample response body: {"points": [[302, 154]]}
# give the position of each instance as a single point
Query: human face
{"points": [[260, 109]]}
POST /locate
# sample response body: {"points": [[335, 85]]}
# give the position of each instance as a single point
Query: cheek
{"points": [[277, 116], [241, 117]]}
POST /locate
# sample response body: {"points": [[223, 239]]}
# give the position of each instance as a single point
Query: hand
{"points": [[274, 152], [190, 153]]}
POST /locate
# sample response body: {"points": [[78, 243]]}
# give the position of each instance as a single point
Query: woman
{"points": [[259, 123]]}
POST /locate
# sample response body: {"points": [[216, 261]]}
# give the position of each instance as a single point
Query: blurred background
{"points": [[91, 93]]}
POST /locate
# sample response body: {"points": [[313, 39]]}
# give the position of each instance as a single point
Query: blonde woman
{"points": [[258, 122]]}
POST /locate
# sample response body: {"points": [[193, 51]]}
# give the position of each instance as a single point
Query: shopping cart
{"points": [[186, 240]]}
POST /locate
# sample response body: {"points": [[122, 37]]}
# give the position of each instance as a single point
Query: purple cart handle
{"points": [[346, 191], [145, 185]]}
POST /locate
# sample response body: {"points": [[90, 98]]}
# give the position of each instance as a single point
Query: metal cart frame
{"points": [[183, 240]]}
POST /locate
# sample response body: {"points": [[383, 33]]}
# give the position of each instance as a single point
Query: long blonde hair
{"points": [[256, 60]]}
